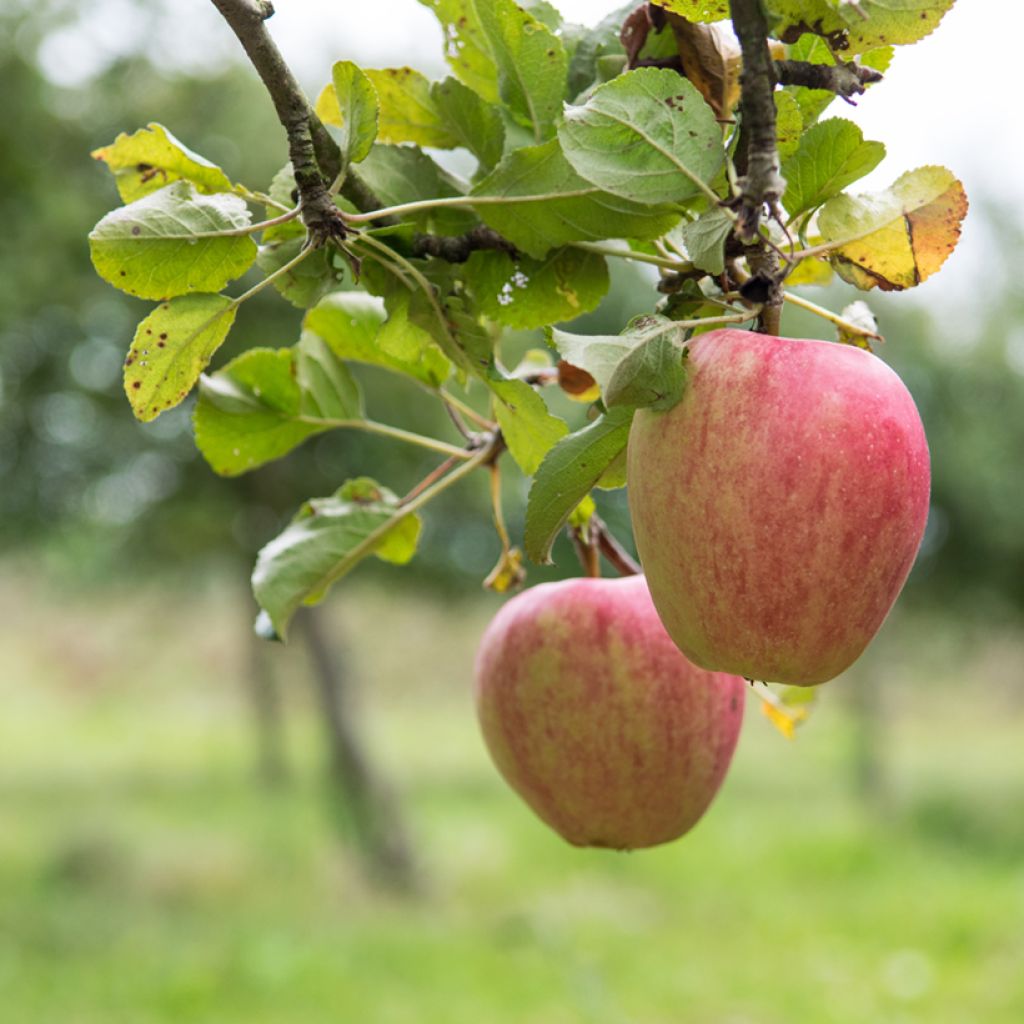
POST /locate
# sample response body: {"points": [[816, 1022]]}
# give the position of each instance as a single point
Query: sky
{"points": [[943, 100]]}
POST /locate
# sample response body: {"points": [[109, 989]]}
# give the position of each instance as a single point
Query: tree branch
{"points": [[457, 248], [247, 19], [762, 183], [846, 79]]}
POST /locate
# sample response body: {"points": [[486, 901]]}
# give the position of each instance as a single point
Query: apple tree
{"points": [[691, 136]]}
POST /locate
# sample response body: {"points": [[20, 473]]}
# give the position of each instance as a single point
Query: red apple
{"points": [[779, 505], [596, 720]]}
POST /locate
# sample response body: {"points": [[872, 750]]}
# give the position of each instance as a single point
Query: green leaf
{"points": [[152, 248], [697, 10], [247, 413], [528, 427], [358, 111], [404, 109], [171, 348], [705, 239], [651, 375], [306, 283], [789, 123], [329, 391], [405, 174], [409, 344], [832, 154], [473, 123], [647, 135], [544, 12], [350, 324], [891, 22], [526, 293], [867, 24], [880, 58], [601, 355], [327, 538], [407, 109], [567, 474], [804, 15], [596, 354], [530, 61], [152, 158], [586, 45], [465, 46], [266, 402], [547, 204]]}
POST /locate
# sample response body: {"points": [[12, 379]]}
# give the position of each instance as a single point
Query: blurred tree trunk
{"points": [[869, 738], [363, 796], [267, 711]]}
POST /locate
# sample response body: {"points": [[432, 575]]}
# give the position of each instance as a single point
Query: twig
{"points": [[432, 477], [396, 433], [584, 542], [458, 248], [466, 410], [618, 557], [846, 79], [623, 253], [813, 307]]}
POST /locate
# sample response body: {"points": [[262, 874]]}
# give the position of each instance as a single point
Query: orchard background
{"points": [[200, 827]]}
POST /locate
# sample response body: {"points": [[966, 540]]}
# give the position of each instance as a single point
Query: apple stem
{"points": [[584, 541], [618, 557]]}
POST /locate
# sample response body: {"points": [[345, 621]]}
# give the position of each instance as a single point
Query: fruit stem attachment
{"points": [[584, 542]]}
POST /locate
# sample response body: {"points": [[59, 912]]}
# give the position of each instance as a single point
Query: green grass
{"points": [[146, 878]]}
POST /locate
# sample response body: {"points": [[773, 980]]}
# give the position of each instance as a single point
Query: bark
{"points": [[369, 804]]}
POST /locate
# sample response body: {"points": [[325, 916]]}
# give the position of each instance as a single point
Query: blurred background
{"points": [[198, 827]]}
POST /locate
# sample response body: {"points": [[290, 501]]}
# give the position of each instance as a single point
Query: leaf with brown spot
{"points": [[192, 327], [172, 242], [711, 60], [697, 10], [577, 383], [151, 158], [897, 238]]}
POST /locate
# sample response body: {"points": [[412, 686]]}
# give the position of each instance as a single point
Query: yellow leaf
{"points": [[811, 271], [784, 719], [407, 109], [898, 238], [508, 574]]}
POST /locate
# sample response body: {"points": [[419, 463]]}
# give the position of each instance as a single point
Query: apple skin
{"points": [[596, 720], [778, 507]]}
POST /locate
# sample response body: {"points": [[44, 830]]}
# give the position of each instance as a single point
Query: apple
{"points": [[778, 507], [596, 720]]}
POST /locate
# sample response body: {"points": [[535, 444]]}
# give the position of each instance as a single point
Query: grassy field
{"points": [[145, 877]]}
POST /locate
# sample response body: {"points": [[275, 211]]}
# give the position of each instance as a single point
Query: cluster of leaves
{"points": [[580, 157]]}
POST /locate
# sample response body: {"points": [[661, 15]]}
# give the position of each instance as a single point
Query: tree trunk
{"points": [[267, 712], [870, 777], [363, 797]]}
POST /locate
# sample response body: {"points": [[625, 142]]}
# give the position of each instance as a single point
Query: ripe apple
{"points": [[596, 720], [778, 507]]}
